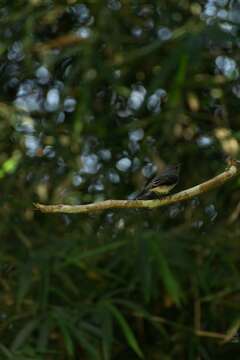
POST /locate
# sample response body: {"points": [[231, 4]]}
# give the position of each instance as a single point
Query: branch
{"points": [[228, 174], [59, 42]]}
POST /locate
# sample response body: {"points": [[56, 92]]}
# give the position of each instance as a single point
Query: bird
{"points": [[161, 184]]}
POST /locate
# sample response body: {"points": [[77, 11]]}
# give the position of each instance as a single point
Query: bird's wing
{"points": [[164, 179], [145, 186], [168, 176]]}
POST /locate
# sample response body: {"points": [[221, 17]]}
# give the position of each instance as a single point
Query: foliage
{"points": [[94, 97]]}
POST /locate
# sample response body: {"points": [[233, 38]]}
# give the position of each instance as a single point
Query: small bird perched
{"points": [[160, 184]]}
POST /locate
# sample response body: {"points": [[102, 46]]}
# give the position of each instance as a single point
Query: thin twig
{"points": [[206, 186], [200, 333], [234, 215]]}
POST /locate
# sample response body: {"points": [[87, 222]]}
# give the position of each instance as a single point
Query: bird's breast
{"points": [[163, 189]]}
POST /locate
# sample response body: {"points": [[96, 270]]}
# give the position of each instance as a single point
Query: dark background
{"points": [[95, 97]]}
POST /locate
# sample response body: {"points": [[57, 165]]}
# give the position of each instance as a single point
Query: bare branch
{"points": [[59, 42], [206, 186]]}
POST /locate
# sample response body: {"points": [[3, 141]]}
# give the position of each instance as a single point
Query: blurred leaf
{"points": [[24, 334], [44, 331], [64, 328], [6, 353], [25, 282], [45, 282], [129, 335], [87, 345], [144, 263], [179, 78], [171, 285], [75, 258], [107, 333], [68, 283], [10, 165]]}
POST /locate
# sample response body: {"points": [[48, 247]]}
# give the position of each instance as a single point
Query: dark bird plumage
{"points": [[160, 184]]}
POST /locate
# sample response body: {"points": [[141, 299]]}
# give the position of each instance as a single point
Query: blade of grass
{"points": [[91, 253], [168, 278], [127, 331], [25, 333]]}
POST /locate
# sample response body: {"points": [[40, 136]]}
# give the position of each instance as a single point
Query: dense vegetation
{"points": [[95, 97]]}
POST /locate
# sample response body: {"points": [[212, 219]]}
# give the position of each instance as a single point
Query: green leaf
{"points": [[168, 279], [68, 283], [43, 335], [10, 165], [25, 282], [85, 342], [8, 354], [99, 251], [106, 331], [66, 332], [45, 280], [107, 334], [145, 268], [24, 334], [128, 333]]}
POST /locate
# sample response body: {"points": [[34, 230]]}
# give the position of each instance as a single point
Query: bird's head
{"points": [[173, 168]]}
